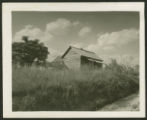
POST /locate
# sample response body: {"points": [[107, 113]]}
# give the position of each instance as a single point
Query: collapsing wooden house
{"points": [[77, 58]]}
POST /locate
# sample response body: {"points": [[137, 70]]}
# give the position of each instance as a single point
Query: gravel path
{"points": [[130, 103]]}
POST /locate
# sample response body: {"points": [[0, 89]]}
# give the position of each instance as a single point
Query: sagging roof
{"points": [[82, 52]]}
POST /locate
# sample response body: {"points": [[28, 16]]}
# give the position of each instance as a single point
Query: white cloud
{"points": [[118, 38], [60, 23], [29, 30], [33, 33], [78, 45], [53, 54], [109, 45], [110, 41], [58, 27], [46, 37], [84, 31], [53, 29]]}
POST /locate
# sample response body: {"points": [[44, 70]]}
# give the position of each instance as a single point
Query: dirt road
{"points": [[130, 103]]}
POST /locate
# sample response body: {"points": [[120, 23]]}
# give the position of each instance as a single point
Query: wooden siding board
{"points": [[72, 60]]}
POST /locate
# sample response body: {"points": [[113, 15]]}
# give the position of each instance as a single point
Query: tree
{"points": [[29, 51]]}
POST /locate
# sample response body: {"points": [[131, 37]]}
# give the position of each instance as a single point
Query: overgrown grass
{"points": [[45, 89]]}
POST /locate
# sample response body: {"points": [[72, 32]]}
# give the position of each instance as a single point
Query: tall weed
{"points": [[47, 89]]}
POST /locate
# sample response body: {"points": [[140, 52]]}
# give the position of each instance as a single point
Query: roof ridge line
{"points": [[82, 49]]}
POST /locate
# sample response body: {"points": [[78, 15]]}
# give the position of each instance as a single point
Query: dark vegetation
{"points": [[45, 89], [28, 52]]}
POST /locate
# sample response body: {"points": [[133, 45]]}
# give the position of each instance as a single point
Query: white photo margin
{"points": [[7, 9]]}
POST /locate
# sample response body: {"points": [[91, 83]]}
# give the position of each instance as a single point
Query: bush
{"points": [[48, 90]]}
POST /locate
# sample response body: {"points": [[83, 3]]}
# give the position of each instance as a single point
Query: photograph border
{"points": [[6, 63]]}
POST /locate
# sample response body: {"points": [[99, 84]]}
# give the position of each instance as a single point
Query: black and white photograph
{"points": [[73, 57]]}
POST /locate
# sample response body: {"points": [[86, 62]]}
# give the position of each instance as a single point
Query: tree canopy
{"points": [[29, 51]]}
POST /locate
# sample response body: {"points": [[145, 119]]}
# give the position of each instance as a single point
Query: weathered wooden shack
{"points": [[77, 58]]}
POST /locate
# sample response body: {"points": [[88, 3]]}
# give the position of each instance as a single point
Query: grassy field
{"points": [[45, 89]]}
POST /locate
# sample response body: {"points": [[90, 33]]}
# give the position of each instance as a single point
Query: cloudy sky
{"points": [[108, 34]]}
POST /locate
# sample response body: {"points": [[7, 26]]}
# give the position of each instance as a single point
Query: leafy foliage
{"points": [[28, 51]]}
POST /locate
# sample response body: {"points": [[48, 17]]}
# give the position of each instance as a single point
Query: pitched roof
{"points": [[82, 52]]}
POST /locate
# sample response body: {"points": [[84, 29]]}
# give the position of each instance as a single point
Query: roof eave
{"points": [[93, 58]]}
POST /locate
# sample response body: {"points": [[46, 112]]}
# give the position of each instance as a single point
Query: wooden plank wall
{"points": [[72, 60]]}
